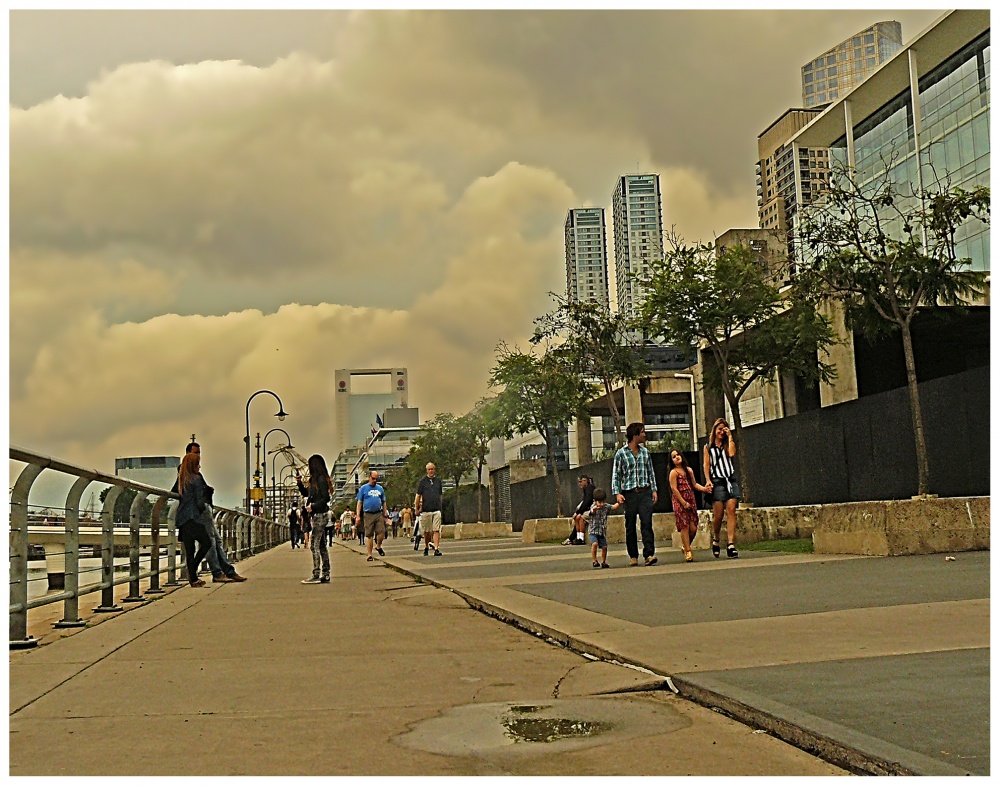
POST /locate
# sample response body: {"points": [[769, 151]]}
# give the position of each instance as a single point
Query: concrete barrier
{"points": [[466, 530], [448, 531], [905, 526], [882, 528]]}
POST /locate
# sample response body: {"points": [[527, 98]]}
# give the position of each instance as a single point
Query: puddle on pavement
{"points": [[560, 725]]}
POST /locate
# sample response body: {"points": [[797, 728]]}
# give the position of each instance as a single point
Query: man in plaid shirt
{"points": [[634, 486]]}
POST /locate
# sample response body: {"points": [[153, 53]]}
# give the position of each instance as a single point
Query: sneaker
{"points": [[651, 561], [380, 552], [198, 583], [237, 577], [325, 580], [313, 580], [567, 542], [221, 579], [605, 565], [633, 562], [437, 553]]}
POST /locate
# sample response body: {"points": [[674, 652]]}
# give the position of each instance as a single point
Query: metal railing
{"points": [[242, 536]]}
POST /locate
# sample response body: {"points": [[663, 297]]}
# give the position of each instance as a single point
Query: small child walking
{"points": [[597, 527]]}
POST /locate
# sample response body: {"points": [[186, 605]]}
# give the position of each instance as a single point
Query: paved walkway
{"points": [[877, 664], [373, 674], [880, 664]]}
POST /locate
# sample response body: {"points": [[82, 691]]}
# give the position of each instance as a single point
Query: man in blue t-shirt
{"points": [[371, 505]]}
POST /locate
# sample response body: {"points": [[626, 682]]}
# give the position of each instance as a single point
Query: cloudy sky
{"points": [[207, 203]]}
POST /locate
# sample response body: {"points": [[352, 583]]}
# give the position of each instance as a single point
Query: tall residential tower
{"points": [[638, 219], [587, 256]]}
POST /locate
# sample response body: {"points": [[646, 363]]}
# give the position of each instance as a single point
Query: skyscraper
{"points": [[587, 256], [836, 71], [638, 219]]}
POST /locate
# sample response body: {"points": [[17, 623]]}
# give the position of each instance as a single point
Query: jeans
{"points": [[639, 503], [216, 555], [330, 532], [320, 553], [191, 531]]}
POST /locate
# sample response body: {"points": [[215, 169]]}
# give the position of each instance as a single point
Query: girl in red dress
{"points": [[682, 496]]}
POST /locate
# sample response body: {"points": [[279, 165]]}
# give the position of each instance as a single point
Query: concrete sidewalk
{"points": [[877, 664], [375, 673]]}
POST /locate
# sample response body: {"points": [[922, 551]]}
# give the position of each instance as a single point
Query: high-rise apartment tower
{"points": [[587, 256], [638, 220], [836, 71]]}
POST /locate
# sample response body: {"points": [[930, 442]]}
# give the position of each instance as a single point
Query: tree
{"points": [[483, 423], [123, 505], [537, 393], [729, 303], [600, 342], [884, 255], [446, 442]]}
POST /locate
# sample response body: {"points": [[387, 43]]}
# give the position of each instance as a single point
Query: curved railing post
{"points": [[172, 544], [19, 638], [154, 548], [134, 549], [71, 606], [108, 553]]}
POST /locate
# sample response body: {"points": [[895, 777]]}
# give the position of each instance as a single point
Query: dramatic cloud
{"points": [[198, 221]]}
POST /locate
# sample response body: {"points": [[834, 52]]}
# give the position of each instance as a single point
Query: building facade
{"points": [[587, 256], [838, 70], [638, 226], [158, 471], [360, 396]]}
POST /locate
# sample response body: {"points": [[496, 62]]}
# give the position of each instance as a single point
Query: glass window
{"points": [[807, 67], [869, 51], [842, 56], [831, 70], [808, 78], [833, 82], [856, 41], [834, 94], [821, 97], [810, 89], [870, 38], [831, 59], [870, 62]]}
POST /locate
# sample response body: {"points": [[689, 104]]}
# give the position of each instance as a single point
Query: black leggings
{"points": [[190, 532]]}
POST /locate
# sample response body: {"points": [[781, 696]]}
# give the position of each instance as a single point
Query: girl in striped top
{"points": [[723, 483]]}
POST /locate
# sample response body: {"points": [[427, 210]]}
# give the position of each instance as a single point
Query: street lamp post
{"points": [[694, 411], [280, 415], [290, 445], [274, 476]]}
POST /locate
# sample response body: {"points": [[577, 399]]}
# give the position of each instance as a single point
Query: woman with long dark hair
{"points": [[682, 485], [194, 497], [723, 483], [586, 502], [318, 495]]}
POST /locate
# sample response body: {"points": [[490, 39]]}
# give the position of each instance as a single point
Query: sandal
{"points": [[688, 556], [715, 549], [371, 559], [597, 564], [731, 552], [605, 565]]}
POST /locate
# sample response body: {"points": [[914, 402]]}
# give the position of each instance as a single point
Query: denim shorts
{"points": [[720, 493], [601, 540]]}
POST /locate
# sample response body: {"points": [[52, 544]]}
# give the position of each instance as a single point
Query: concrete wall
{"points": [[482, 529]]}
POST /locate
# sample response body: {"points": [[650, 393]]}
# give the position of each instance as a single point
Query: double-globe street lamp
{"points": [[275, 480], [280, 415], [264, 463]]}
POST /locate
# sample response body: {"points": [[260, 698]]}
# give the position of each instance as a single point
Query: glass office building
{"points": [[935, 136], [835, 72]]}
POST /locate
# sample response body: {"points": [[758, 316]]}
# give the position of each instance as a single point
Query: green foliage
{"points": [[672, 440], [601, 345], [123, 505], [538, 392], [789, 545]]}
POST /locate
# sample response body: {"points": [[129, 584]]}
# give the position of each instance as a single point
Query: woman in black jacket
{"points": [[579, 525], [195, 495], [318, 495]]}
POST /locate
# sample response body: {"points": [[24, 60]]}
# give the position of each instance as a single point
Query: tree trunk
{"points": [[479, 492], [550, 451], [615, 416], [923, 467]]}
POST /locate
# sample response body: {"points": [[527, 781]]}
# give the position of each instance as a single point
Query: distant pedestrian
{"points": [[190, 515], [597, 527], [371, 503], [416, 532], [306, 520], [406, 516], [346, 520], [293, 525], [682, 484], [576, 531], [724, 485], [634, 485], [318, 495], [332, 524], [427, 503], [394, 519]]}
